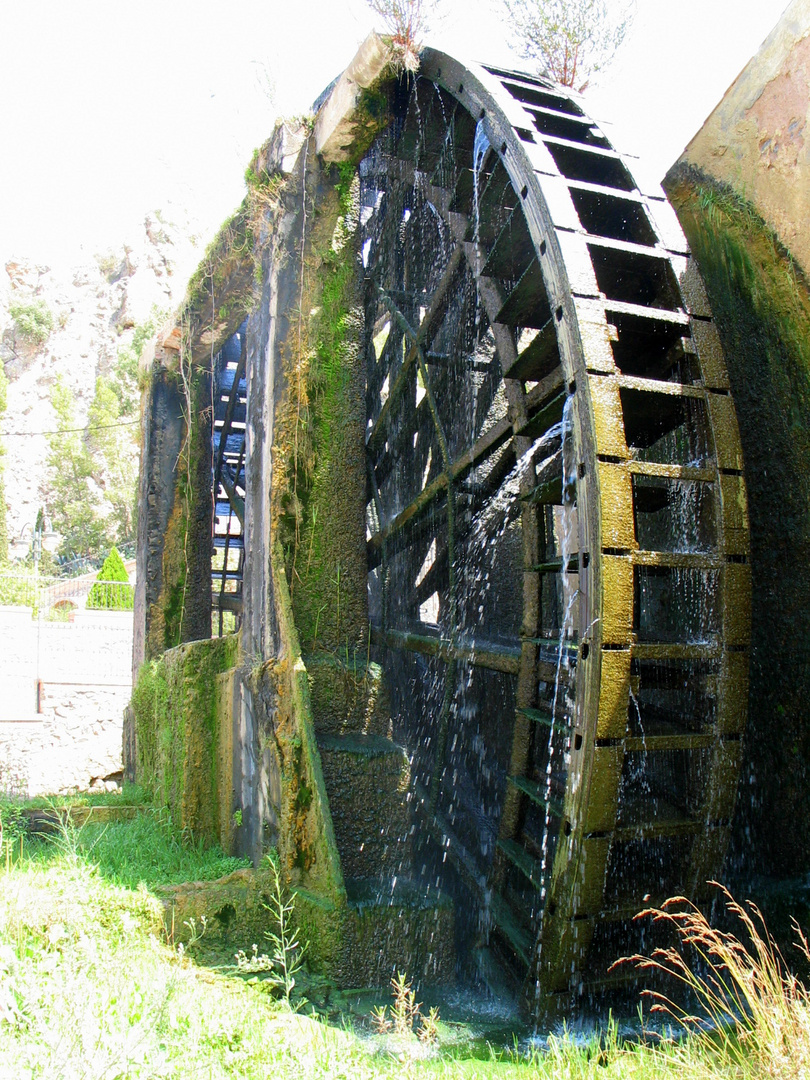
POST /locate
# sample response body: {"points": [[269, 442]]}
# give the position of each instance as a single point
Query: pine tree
{"points": [[106, 593]]}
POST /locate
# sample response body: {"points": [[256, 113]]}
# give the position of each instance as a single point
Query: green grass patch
{"points": [[91, 987], [129, 795], [146, 851], [149, 850]]}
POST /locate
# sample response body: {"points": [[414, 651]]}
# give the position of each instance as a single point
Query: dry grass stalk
{"points": [[755, 1018]]}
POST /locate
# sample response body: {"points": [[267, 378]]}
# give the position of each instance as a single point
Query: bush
{"points": [[19, 590], [33, 321], [107, 593]]}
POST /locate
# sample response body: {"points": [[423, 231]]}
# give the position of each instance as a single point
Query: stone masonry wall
{"points": [[73, 744]]}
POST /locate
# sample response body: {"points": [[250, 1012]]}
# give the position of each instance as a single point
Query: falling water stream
{"points": [[480, 147], [568, 546]]}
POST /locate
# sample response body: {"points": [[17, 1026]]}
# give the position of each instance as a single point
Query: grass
{"points": [[748, 1014], [148, 850], [90, 988], [130, 795]]}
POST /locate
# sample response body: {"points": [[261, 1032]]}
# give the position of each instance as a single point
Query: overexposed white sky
{"points": [[112, 108]]}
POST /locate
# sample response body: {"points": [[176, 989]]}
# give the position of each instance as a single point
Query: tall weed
{"points": [[746, 1013]]}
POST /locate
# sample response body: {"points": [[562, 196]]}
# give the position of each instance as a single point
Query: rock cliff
{"points": [[71, 324]]}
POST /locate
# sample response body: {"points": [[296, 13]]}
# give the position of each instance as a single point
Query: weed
{"points": [[405, 1014], [405, 1008], [380, 1020], [755, 1013], [194, 936], [407, 21], [255, 962], [287, 954], [12, 822], [428, 1033]]}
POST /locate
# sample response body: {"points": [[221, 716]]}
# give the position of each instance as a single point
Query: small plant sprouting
{"points": [[405, 1013], [428, 1032], [255, 962], [194, 935], [286, 956], [405, 1008], [337, 580], [380, 1019], [406, 21]]}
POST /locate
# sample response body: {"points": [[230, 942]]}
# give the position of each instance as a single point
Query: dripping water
{"points": [[563, 667], [480, 147]]}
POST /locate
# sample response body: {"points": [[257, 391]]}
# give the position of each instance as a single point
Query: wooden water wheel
{"points": [[558, 539]]}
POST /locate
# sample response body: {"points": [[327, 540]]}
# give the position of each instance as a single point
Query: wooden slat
{"points": [[483, 654], [422, 336], [652, 743], [660, 386], [544, 419], [676, 651], [537, 716], [537, 793], [527, 304], [555, 566], [486, 444], [505, 921], [539, 357], [519, 857], [546, 494], [680, 560], [672, 472]]}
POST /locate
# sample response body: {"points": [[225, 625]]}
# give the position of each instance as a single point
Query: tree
{"points": [[570, 40], [33, 321], [406, 22], [93, 477], [106, 593], [73, 500], [113, 449]]}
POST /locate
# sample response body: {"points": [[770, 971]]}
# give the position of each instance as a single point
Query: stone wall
{"points": [[74, 744], [755, 141], [741, 191]]}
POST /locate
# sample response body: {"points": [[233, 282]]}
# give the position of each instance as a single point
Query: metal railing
{"points": [[61, 631]]}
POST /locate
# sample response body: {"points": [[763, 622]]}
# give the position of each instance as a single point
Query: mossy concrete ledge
{"points": [[235, 909], [307, 845], [339, 124], [184, 735]]}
